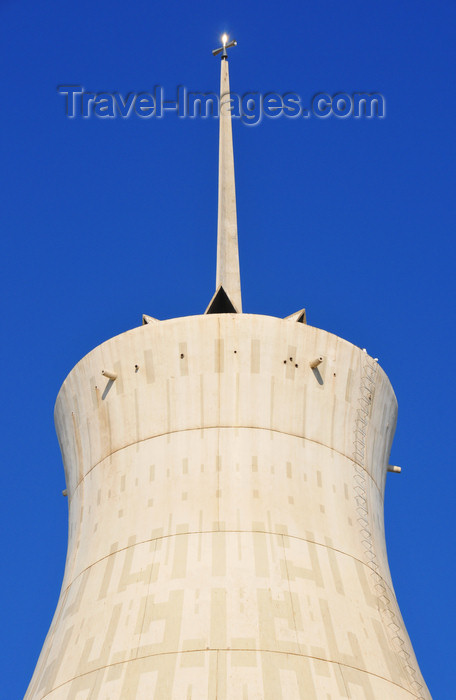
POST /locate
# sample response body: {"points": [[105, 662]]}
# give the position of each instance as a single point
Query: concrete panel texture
{"points": [[226, 536]]}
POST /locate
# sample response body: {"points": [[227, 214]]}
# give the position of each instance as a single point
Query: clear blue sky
{"points": [[103, 220]]}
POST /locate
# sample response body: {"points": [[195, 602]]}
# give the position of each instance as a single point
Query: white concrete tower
{"points": [[225, 475]]}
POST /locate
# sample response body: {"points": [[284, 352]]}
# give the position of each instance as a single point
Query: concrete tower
{"points": [[225, 476]]}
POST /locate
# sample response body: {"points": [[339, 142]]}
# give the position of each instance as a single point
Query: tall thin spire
{"points": [[228, 280]]}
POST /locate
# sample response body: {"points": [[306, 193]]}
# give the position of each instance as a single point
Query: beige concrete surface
{"points": [[226, 536]]}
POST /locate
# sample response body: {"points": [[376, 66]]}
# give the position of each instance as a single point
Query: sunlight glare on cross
{"points": [[225, 45]]}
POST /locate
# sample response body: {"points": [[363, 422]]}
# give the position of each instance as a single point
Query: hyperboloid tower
{"points": [[225, 475]]}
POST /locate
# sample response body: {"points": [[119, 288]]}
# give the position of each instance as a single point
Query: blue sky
{"points": [[103, 220]]}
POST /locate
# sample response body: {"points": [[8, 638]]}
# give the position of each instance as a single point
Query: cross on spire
{"points": [[225, 45], [227, 297]]}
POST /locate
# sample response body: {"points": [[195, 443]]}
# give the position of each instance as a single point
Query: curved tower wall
{"points": [[226, 536]]}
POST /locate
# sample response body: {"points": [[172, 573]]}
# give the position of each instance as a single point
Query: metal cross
{"points": [[222, 49]]}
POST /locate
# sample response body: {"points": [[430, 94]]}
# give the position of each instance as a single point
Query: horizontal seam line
{"points": [[267, 651], [230, 427], [211, 532]]}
